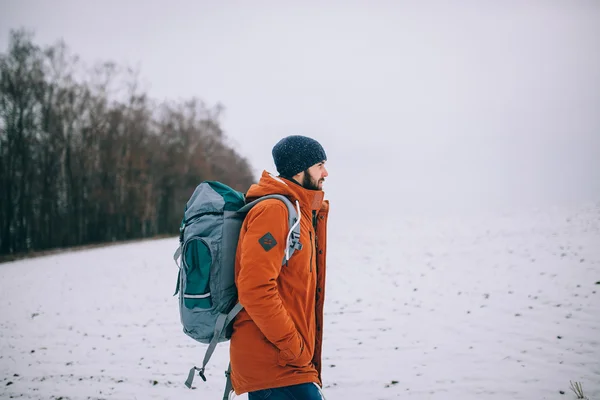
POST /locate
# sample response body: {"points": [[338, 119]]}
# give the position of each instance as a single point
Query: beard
{"points": [[309, 183]]}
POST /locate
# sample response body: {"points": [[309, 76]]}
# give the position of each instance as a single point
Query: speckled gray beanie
{"points": [[294, 154]]}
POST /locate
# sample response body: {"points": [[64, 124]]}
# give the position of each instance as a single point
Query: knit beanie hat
{"points": [[294, 154]]}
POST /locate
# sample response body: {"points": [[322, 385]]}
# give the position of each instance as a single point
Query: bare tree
{"points": [[95, 160]]}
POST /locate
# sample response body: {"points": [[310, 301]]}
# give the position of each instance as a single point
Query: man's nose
{"points": [[325, 173]]}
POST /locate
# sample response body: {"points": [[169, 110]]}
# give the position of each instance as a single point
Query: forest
{"points": [[87, 157]]}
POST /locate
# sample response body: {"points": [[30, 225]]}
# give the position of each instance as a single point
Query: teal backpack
{"points": [[208, 239]]}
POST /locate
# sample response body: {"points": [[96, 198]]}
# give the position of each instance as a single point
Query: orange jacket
{"points": [[277, 337]]}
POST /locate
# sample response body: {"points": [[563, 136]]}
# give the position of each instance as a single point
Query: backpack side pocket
{"points": [[197, 260]]}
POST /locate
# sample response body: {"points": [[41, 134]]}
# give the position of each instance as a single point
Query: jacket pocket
{"points": [[301, 359]]}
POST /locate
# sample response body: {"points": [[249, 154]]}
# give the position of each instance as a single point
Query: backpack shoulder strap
{"points": [[222, 322], [294, 215]]}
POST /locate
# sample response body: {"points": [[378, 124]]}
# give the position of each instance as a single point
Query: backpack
{"points": [[208, 240]]}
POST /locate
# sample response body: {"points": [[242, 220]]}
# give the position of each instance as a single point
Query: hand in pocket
{"points": [[301, 359]]}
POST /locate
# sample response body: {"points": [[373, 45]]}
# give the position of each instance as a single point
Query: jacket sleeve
{"points": [[260, 265]]}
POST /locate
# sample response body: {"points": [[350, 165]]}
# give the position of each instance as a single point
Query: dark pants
{"points": [[304, 391]]}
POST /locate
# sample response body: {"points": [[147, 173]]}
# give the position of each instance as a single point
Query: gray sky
{"points": [[439, 104]]}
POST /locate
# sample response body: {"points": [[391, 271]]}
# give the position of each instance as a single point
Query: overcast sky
{"points": [[436, 103]]}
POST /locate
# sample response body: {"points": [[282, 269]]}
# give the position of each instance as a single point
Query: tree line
{"points": [[87, 157]]}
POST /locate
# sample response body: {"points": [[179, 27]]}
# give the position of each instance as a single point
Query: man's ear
{"points": [[299, 177]]}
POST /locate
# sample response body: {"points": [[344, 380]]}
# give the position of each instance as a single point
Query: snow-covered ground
{"points": [[499, 307]]}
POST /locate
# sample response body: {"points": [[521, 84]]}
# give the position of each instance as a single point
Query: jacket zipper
{"points": [[313, 243], [311, 249]]}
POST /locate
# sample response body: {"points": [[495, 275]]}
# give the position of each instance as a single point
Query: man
{"points": [[277, 338]]}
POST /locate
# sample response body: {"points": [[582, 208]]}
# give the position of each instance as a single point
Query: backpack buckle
{"points": [[201, 373], [190, 378]]}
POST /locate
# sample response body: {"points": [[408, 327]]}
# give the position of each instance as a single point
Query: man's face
{"points": [[314, 177]]}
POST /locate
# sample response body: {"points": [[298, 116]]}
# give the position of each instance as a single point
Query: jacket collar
{"points": [[271, 184]]}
